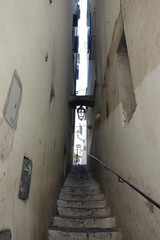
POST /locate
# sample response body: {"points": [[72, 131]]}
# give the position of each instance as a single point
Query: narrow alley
{"points": [[79, 120]]}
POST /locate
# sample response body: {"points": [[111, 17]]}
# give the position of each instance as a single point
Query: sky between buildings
{"points": [[82, 30], [82, 82]]}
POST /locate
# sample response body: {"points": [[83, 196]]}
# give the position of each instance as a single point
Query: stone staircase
{"points": [[82, 210]]}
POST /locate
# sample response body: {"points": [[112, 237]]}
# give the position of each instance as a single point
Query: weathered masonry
{"points": [[124, 68]]}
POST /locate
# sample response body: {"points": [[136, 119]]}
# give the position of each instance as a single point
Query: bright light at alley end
{"points": [[81, 111]]}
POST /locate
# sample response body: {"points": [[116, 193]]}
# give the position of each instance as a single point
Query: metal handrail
{"points": [[121, 179]]}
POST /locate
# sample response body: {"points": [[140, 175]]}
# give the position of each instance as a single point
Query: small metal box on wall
{"points": [[5, 235], [25, 181]]}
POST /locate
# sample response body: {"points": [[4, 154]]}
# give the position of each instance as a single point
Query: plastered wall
{"points": [[133, 149], [35, 40]]}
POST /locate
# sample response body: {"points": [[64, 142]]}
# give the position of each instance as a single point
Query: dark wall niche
{"points": [[25, 180], [122, 44], [5, 235]]}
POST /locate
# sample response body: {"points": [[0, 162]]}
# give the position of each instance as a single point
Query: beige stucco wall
{"points": [[29, 29], [133, 150]]}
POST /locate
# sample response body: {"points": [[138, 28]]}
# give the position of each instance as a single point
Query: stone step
{"points": [[80, 179], [73, 184], [80, 182], [85, 185], [75, 179], [79, 171], [89, 204], [81, 191], [65, 196], [102, 222], [83, 212], [79, 175], [84, 234]]}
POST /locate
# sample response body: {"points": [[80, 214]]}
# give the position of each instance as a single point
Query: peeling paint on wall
{"points": [[6, 140]]}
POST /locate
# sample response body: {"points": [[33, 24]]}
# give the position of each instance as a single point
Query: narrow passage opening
{"points": [[80, 65]]}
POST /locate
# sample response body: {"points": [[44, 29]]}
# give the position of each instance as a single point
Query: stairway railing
{"points": [[122, 180]]}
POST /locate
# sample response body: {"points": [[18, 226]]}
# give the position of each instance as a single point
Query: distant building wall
{"points": [[126, 137], [36, 45]]}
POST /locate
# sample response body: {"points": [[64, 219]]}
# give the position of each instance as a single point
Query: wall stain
{"points": [[6, 140], [44, 157], [55, 142], [13, 200], [150, 207]]}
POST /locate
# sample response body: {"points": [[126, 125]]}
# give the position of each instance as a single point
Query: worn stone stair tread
{"points": [[79, 173], [80, 180], [85, 188], [79, 176], [85, 197], [84, 217], [81, 191], [85, 230], [73, 182], [82, 200], [84, 211], [59, 234], [83, 185], [87, 204], [90, 222], [83, 207]]}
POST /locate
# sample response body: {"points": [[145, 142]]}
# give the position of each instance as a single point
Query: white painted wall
{"points": [[28, 30]]}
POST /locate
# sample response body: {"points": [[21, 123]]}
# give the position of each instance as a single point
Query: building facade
{"points": [[36, 78], [124, 124]]}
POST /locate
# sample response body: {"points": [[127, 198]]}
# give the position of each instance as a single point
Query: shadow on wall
{"points": [[126, 89]]}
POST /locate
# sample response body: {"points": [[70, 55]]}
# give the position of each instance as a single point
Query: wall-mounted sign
{"points": [[25, 181]]}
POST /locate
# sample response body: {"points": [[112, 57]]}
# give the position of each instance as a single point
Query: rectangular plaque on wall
{"points": [[13, 101], [25, 181]]}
